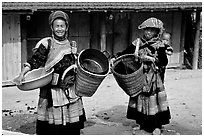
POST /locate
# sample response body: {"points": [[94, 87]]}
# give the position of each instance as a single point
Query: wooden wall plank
{"points": [[73, 25], [176, 36], [4, 39], [109, 35], [84, 24], [7, 48], [11, 47], [79, 30], [95, 20], [23, 27], [17, 45], [121, 30]]}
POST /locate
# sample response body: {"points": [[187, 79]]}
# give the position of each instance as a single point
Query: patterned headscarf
{"points": [[58, 15], [153, 23]]}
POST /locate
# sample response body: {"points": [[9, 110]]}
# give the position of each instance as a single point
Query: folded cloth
{"points": [[58, 97], [72, 95], [62, 97]]}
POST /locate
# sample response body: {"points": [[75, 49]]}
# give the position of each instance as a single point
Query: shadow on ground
{"points": [[24, 123], [112, 119], [116, 114]]}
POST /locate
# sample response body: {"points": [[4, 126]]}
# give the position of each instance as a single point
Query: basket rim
{"points": [[24, 82], [122, 56], [73, 66], [127, 75], [90, 73]]}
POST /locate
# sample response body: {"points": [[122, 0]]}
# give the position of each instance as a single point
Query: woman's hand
{"points": [[18, 80], [112, 61], [148, 58], [169, 53], [74, 47]]}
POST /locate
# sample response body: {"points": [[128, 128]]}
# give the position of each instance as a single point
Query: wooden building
{"points": [[109, 26]]}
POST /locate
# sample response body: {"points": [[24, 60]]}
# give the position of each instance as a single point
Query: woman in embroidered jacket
{"points": [[60, 110], [150, 108]]}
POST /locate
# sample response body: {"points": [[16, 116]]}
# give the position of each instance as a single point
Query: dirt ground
{"points": [[106, 109]]}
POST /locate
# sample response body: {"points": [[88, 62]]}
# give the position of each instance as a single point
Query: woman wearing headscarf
{"points": [[149, 108], [60, 111]]}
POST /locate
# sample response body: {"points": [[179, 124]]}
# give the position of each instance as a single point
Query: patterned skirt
{"points": [[59, 120], [150, 109]]}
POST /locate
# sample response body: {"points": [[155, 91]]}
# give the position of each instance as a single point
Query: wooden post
{"points": [[103, 33], [182, 41], [196, 43], [24, 40]]}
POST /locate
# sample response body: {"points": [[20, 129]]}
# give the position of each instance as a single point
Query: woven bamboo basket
{"points": [[92, 68], [128, 72]]}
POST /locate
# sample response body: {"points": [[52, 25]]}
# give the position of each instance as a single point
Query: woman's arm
{"points": [[133, 48], [39, 57], [129, 50], [19, 79]]}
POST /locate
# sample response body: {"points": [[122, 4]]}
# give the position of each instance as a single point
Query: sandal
{"points": [[135, 129], [157, 131]]}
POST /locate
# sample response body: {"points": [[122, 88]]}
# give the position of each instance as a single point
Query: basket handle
{"points": [[106, 53], [121, 57], [68, 69], [137, 45]]}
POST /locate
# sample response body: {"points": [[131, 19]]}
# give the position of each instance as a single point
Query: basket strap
{"points": [[67, 70], [136, 43], [73, 47]]}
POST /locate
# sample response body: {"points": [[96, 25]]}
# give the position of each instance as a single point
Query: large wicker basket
{"points": [[92, 68], [128, 72]]}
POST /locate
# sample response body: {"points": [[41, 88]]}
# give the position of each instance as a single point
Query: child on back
{"points": [[164, 51], [166, 39]]}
